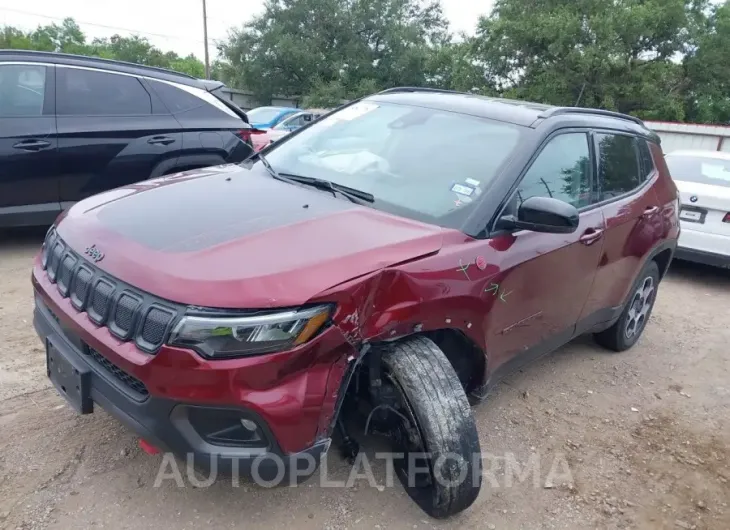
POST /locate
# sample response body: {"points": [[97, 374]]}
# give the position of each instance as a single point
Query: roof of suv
{"points": [[524, 113], [107, 64]]}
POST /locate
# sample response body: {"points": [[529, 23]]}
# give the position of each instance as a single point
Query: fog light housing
{"points": [[226, 427]]}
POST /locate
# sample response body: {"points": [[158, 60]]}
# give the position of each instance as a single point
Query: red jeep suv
{"points": [[396, 255]]}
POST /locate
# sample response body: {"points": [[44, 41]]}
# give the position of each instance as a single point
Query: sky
{"points": [[177, 24]]}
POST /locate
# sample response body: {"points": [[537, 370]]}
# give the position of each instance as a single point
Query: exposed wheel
{"points": [[433, 427], [630, 325]]}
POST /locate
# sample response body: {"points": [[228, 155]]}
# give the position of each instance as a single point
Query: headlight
{"points": [[224, 337]]}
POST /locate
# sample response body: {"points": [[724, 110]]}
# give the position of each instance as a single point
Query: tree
{"points": [[334, 49], [68, 38], [615, 54], [708, 70]]}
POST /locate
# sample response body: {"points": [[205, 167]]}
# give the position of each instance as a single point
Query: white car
{"points": [[703, 180]]}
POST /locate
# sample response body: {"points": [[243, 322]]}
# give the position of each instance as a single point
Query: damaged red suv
{"points": [[388, 260]]}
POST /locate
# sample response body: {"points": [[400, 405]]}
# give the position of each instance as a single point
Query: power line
{"points": [[116, 28]]}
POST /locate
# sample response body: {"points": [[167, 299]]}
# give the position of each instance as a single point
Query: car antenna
{"points": [[581, 94]]}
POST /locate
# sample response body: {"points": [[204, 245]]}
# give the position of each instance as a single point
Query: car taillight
{"points": [[726, 219], [245, 134]]}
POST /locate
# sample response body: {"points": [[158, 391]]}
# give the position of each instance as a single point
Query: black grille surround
{"points": [[128, 313]]}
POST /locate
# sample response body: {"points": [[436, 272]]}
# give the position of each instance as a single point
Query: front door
{"points": [[28, 177], [544, 279]]}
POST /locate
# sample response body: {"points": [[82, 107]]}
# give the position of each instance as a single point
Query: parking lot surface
{"points": [[581, 439]]}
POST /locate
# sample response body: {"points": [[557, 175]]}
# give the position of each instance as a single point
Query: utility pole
{"points": [[205, 42]]}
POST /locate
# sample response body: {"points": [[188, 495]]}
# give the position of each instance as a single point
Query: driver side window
{"points": [[562, 170]]}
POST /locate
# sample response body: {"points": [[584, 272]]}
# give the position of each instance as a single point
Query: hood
{"points": [[231, 237]]}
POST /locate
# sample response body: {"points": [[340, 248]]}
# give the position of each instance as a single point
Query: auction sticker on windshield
{"points": [[350, 113]]}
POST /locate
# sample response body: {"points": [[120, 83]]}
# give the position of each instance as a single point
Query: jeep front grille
{"points": [[128, 313]]}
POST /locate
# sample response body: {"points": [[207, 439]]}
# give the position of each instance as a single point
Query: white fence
{"points": [[676, 136]]}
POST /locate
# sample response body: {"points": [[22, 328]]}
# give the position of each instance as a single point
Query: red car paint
{"points": [[387, 276]]}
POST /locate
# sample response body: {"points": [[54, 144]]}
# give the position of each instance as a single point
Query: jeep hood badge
{"points": [[94, 253]]}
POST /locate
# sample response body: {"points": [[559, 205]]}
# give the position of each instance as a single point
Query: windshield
{"points": [[422, 163], [263, 114], [703, 170]]}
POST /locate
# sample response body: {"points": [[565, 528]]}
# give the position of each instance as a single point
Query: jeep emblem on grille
{"points": [[94, 253]]}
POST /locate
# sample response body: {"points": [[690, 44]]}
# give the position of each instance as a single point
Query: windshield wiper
{"points": [[352, 194]]}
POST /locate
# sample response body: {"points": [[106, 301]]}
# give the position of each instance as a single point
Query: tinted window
{"points": [[418, 162], [619, 165], [562, 170], [175, 99], [22, 89], [91, 93], [705, 170], [647, 163]]}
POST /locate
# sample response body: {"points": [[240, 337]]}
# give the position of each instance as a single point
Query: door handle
{"points": [[160, 140], [591, 235], [32, 145], [650, 210]]}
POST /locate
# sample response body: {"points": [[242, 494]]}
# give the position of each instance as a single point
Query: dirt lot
{"points": [[645, 436]]}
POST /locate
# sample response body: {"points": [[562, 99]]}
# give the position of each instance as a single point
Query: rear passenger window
{"points": [[91, 93], [175, 99], [647, 162], [22, 89], [562, 170], [618, 160]]}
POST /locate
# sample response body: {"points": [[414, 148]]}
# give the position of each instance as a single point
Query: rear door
{"points": [[28, 176], [634, 225], [704, 187], [110, 132]]}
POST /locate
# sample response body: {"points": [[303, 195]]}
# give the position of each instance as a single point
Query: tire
{"points": [[622, 335], [434, 395]]}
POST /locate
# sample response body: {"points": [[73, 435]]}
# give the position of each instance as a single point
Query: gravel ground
{"points": [[633, 440]]}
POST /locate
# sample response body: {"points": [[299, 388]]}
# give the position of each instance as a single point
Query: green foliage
{"points": [[68, 38], [657, 59], [619, 55], [334, 49], [708, 71]]}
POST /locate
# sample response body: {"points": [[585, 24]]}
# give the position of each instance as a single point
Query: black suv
{"points": [[72, 126]]}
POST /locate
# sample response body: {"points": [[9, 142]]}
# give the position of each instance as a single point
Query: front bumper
{"points": [[166, 424]]}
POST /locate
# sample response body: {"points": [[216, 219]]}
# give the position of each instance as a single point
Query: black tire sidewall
{"points": [[433, 397]]}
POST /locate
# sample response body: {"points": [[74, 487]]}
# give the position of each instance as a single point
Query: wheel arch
{"points": [[185, 162]]}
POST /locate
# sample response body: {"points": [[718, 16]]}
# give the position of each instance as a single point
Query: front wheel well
{"points": [[468, 359]]}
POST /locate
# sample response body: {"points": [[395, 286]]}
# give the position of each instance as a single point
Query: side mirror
{"points": [[542, 214]]}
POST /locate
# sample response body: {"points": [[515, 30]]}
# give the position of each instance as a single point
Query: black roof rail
{"points": [[556, 111], [517, 102], [100, 60], [398, 89]]}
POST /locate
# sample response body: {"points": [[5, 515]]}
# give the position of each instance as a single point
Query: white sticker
{"points": [[355, 111], [463, 190], [472, 182]]}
